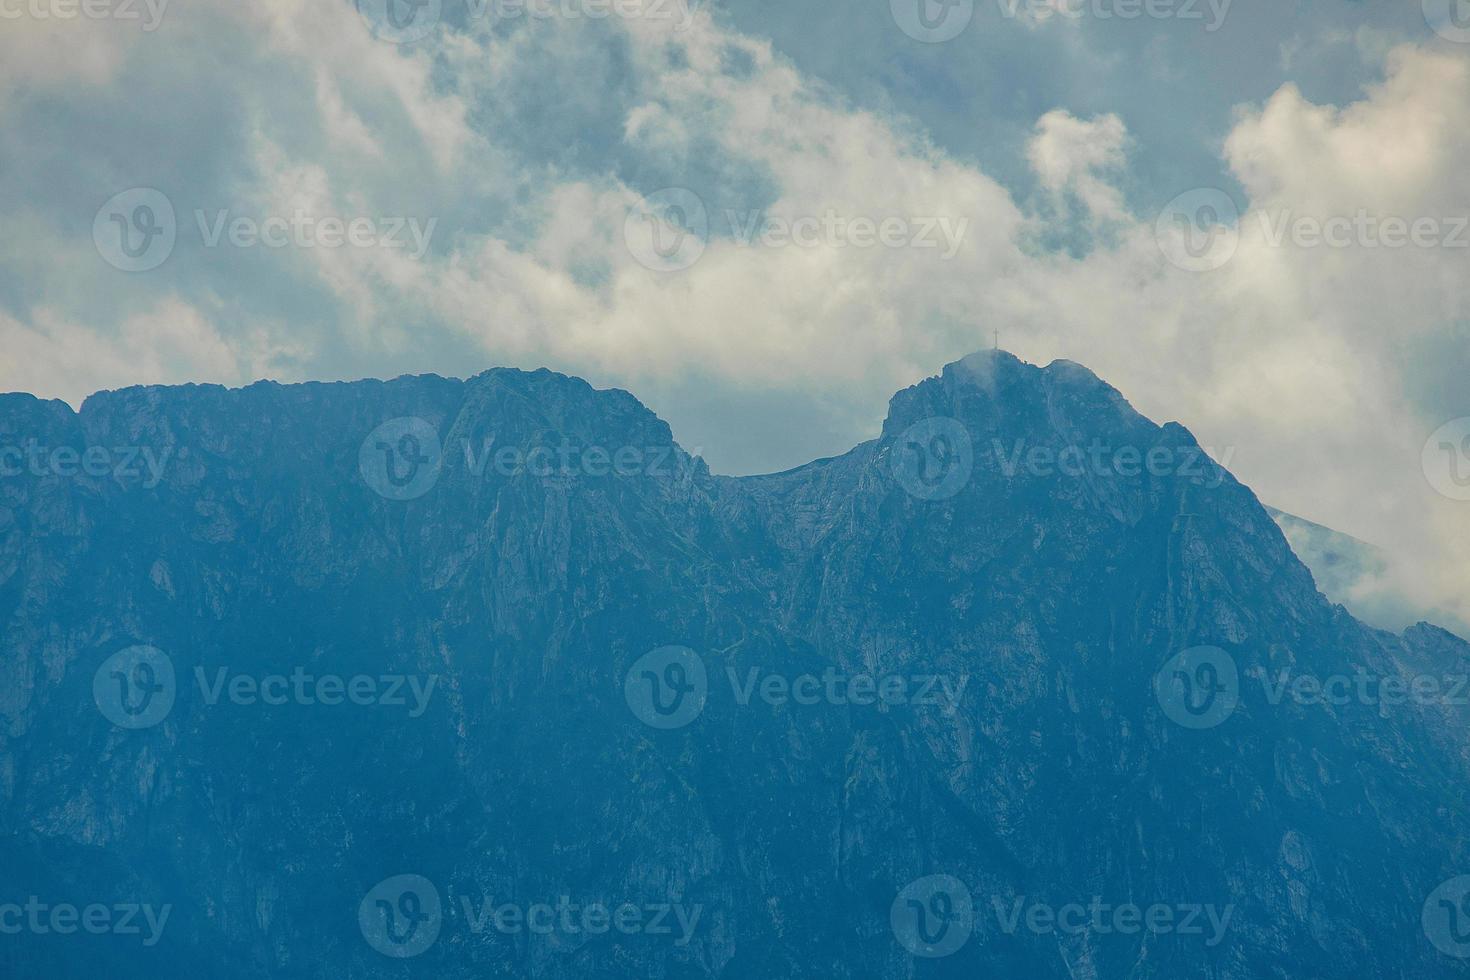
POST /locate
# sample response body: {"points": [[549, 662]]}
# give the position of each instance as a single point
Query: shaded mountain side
{"points": [[1019, 533]]}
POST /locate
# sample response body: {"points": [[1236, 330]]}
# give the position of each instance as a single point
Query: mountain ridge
{"points": [[1052, 591], [1336, 579]]}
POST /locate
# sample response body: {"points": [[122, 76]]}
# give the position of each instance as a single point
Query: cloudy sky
{"points": [[764, 217]]}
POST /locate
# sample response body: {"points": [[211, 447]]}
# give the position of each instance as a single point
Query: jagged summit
{"points": [[998, 391], [986, 365]]}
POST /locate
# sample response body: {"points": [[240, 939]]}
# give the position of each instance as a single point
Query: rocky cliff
{"points": [[486, 678]]}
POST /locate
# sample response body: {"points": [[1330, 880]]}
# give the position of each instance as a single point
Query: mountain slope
{"points": [[609, 647]]}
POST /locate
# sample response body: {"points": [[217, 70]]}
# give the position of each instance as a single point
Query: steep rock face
{"points": [[1018, 545]]}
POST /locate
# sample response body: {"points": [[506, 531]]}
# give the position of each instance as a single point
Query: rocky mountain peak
{"points": [[1101, 620]]}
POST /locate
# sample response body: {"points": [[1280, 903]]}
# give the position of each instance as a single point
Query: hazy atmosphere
{"points": [[854, 595], [1026, 168]]}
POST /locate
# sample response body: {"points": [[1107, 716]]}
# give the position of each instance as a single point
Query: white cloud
{"points": [[1294, 352], [171, 343], [1290, 354], [52, 53], [1074, 156]]}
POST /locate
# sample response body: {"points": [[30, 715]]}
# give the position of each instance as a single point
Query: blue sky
{"points": [[506, 176]]}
